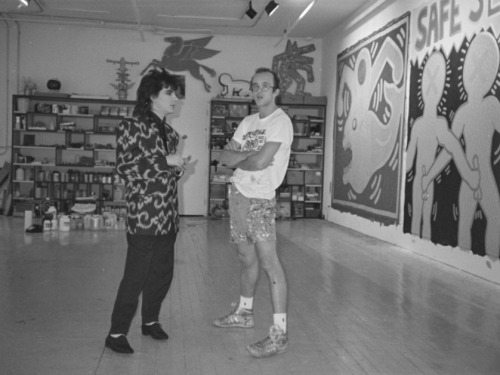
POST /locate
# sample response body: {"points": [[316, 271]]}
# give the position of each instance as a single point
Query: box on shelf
{"points": [[298, 210], [219, 110], [313, 193], [218, 191], [285, 193], [315, 100], [313, 177], [312, 210], [295, 177], [298, 193], [291, 99], [238, 110]]}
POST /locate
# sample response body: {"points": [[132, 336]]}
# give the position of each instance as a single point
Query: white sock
{"points": [[150, 323], [117, 335], [280, 321], [246, 303]]}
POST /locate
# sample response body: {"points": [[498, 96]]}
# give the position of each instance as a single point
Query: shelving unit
{"points": [[301, 194], [64, 149], [225, 116]]}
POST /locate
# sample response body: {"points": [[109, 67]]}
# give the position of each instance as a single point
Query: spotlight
{"points": [[251, 13], [271, 7], [24, 3]]}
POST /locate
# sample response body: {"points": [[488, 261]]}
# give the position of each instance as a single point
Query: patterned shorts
{"points": [[251, 219]]}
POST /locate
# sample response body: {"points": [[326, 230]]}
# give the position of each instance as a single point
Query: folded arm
{"points": [[249, 160]]}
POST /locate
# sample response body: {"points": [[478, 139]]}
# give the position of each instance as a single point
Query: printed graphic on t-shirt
{"points": [[254, 140]]}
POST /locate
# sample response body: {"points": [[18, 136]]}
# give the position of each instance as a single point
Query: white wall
{"points": [[334, 43], [77, 57], [8, 37]]}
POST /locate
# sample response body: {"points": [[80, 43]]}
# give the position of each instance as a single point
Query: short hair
{"points": [[151, 84], [276, 84]]}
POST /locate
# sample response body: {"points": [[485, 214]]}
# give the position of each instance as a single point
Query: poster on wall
{"points": [[369, 124], [452, 194]]}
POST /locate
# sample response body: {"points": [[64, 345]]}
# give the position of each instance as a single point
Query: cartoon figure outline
{"points": [[476, 121], [428, 132], [289, 62]]}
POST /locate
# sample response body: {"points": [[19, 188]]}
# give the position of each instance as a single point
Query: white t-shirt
{"points": [[252, 133]]}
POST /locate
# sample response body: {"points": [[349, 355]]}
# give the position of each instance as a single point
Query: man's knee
{"points": [[270, 263], [246, 254]]}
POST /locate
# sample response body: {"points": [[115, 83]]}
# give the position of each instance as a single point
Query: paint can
{"points": [[28, 219], [87, 222], [96, 222], [64, 223]]}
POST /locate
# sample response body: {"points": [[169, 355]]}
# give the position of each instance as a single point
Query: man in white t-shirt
{"points": [[260, 151]]}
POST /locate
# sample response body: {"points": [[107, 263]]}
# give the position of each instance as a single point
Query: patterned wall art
{"points": [[234, 88], [184, 55], [369, 124], [289, 64], [124, 84], [453, 154]]}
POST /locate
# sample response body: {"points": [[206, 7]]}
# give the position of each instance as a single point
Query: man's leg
{"points": [[241, 314], [277, 341], [249, 269], [271, 264], [262, 231]]}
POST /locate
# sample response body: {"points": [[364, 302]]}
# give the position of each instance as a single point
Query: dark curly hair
{"points": [[151, 84]]}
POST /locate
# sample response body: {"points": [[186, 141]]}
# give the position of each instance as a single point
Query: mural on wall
{"points": [[124, 83], [452, 194], [234, 88], [288, 63], [183, 55], [369, 120]]}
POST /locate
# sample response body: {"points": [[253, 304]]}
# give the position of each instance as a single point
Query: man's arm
{"points": [[232, 158], [249, 160], [231, 155], [261, 159], [452, 149]]}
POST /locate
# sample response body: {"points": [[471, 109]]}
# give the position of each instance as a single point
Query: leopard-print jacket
{"points": [[151, 184]]}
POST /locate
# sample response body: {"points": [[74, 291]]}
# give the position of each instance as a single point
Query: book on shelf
{"points": [[52, 94], [89, 96]]}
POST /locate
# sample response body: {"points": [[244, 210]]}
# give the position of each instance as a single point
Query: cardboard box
{"points": [[320, 100], [295, 177], [313, 177], [292, 99]]}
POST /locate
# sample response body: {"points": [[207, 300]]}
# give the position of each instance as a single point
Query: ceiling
{"points": [[190, 16]]}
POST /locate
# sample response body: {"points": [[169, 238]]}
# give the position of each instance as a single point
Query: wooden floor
{"points": [[356, 306]]}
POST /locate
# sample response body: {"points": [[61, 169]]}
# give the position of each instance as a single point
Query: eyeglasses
{"points": [[265, 87]]}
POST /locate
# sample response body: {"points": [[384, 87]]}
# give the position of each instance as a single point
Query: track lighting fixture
{"points": [[271, 7], [24, 3], [251, 13]]}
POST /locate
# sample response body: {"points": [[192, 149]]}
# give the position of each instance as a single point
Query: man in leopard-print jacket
{"points": [[147, 159]]}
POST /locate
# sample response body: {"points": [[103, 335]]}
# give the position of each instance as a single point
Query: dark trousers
{"points": [[149, 270]]}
